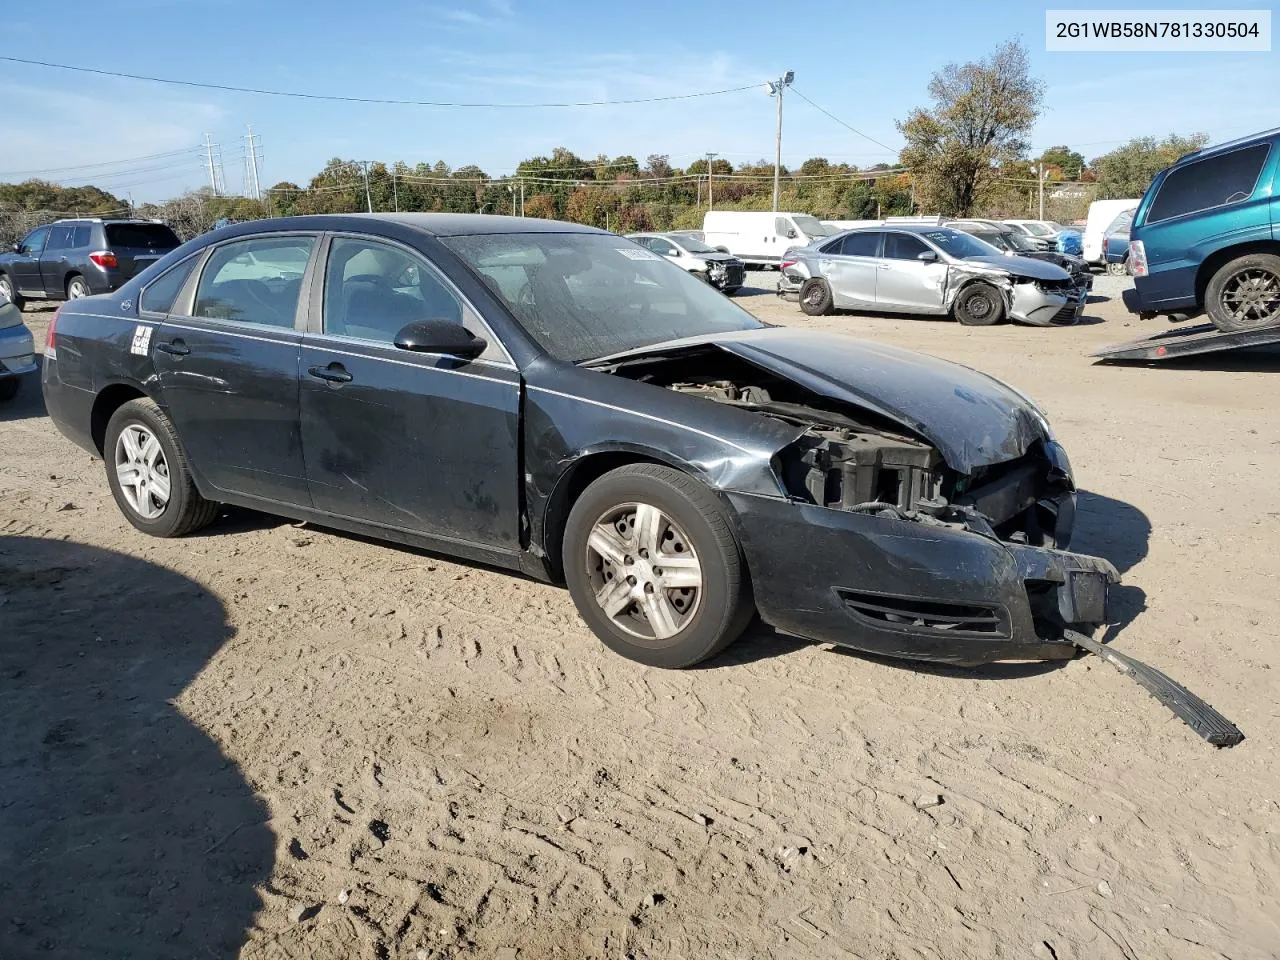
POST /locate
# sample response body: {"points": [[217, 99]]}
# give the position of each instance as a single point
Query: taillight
{"points": [[104, 258], [51, 338], [1137, 258]]}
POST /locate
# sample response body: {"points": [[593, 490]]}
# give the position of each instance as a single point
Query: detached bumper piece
{"points": [[1194, 712]]}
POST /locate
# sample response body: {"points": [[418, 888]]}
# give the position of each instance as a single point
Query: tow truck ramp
{"points": [[1188, 341]]}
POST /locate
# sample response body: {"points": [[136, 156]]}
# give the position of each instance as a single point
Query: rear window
{"points": [[1213, 182], [155, 236]]}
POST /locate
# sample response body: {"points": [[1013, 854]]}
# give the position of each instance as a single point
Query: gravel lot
{"points": [[278, 741]]}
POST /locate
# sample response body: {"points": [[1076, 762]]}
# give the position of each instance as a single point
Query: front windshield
{"points": [[586, 295], [959, 245], [812, 226], [693, 245]]}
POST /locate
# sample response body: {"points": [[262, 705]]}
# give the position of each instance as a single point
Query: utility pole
{"points": [[251, 163], [710, 159], [775, 90], [213, 173], [368, 197]]}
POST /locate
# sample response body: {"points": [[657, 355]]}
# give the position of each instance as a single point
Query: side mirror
{"points": [[440, 336], [927, 256]]}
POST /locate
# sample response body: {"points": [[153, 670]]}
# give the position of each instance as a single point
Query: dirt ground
{"points": [[276, 741]]}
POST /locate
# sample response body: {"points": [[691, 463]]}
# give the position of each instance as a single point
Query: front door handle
{"points": [[175, 348], [333, 373]]}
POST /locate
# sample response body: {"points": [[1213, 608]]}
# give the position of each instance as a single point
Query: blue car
{"points": [[1206, 237], [1115, 245]]}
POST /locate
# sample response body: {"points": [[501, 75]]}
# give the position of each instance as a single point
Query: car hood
{"points": [[1019, 266], [972, 419]]}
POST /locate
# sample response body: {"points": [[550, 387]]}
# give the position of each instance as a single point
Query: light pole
{"points": [[775, 90], [710, 159]]}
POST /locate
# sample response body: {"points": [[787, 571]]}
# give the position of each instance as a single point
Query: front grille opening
{"points": [[933, 616]]}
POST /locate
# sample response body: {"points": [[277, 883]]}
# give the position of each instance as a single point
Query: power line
{"points": [[841, 122], [375, 100]]}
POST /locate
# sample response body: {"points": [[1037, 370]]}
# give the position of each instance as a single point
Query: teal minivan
{"points": [[1206, 237]]}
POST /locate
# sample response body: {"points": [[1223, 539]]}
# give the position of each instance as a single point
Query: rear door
{"points": [[906, 282], [53, 260], [26, 263], [138, 245], [227, 360], [850, 266], [412, 441]]}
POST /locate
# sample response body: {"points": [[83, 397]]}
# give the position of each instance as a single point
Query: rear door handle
{"points": [[333, 373], [175, 348]]}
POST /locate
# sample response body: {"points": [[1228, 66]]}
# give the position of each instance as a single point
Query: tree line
{"points": [[966, 154]]}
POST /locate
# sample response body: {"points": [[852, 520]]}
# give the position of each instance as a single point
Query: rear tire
{"points": [[1245, 293], [10, 292], [979, 305], [152, 485], [643, 515], [77, 287], [815, 297]]}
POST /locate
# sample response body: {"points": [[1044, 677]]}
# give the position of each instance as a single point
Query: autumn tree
{"points": [[980, 117], [1127, 171]]}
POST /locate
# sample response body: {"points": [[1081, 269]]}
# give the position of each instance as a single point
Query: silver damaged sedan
{"points": [[932, 270]]}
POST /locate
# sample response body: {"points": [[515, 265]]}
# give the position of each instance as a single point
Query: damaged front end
{"points": [[881, 542]]}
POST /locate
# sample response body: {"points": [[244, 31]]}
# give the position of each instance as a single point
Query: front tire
{"points": [[654, 568], [10, 292], [1245, 293], [979, 305], [148, 473], [815, 297]]}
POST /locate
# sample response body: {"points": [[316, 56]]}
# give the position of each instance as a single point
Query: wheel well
{"points": [[1218, 259], [107, 403], [581, 475]]}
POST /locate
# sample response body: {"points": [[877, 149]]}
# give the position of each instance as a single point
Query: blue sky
{"points": [[867, 63]]}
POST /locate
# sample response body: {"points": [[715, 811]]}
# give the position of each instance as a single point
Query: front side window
{"points": [[33, 243], [372, 290], [1212, 182], [903, 246], [254, 281], [159, 295], [583, 296]]}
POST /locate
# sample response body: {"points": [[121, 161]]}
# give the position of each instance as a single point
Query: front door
{"points": [[228, 366], [852, 268], [26, 263], [413, 441], [906, 282]]}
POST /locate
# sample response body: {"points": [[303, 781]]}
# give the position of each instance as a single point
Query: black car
{"points": [[70, 259], [536, 396]]}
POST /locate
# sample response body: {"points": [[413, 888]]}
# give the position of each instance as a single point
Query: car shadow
{"points": [[28, 404], [124, 829]]}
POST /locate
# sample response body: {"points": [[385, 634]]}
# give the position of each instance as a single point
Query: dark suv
{"points": [[70, 259], [1206, 236]]}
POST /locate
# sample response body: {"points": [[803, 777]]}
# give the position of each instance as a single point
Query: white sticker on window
{"points": [[637, 253], [141, 340]]}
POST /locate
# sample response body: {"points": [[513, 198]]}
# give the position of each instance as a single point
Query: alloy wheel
{"points": [[644, 571], [1252, 297], [142, 471]]}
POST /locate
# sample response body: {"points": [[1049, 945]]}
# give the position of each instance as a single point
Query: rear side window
{"points": [[254, 281], [59, 239], [159, 295], [1205, 184], [861, 245], [153, 236]]}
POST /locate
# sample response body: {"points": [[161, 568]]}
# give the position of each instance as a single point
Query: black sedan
{"points": [[558, 400]]}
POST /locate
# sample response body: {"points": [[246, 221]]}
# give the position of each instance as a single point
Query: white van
{"points": [[761, 238], [1101, 215]]}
